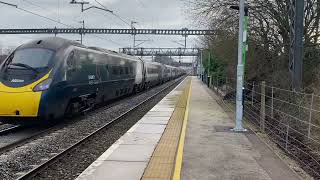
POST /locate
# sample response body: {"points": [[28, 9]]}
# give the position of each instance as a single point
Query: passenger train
{"points": [[52, 77]]}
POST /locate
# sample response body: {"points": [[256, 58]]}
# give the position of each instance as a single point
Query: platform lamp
{"points": [[242, 52]]}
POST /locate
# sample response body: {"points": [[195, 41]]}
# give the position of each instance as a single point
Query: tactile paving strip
{"points": [[162, 163]]}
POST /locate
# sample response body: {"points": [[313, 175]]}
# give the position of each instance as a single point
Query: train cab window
{"points": [[127, 70], [34, 59]]}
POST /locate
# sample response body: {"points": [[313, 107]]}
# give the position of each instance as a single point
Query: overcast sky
{"points": [[148, 13]]}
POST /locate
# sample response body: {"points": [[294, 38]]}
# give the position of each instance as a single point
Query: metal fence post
{"points": [[226, 85], [310, 115], [252, 94], [287, 136], [272, 95], [263, 106], [217, 84]]}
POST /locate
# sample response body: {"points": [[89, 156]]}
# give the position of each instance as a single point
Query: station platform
{"points": [[187, 136]]}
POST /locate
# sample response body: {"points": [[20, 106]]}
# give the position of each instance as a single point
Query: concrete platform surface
{"points": [[127, 158], [212, 151]]}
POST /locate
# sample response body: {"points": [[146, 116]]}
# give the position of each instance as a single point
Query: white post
{"points": [[240, 70]]}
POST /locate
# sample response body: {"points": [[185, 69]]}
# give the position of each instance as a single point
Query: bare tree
{"points": [[269, 34]]}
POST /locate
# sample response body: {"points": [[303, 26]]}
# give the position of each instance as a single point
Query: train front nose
{"points": [[19, 103]]}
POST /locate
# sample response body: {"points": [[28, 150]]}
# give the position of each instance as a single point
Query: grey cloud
{"points": [[148, 14]]}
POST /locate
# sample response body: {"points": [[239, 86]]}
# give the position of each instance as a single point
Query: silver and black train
{"points": [[51, 77]]}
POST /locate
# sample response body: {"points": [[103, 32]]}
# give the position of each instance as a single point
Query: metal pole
{"points": [[208, 71], [263, 106], [287, 136], [134, 41], [297, 43], [252, 94], [226, 88], [209, 59], [201, 67], [217, 83], [200, 63], [81, 33], [240, 68], [272, 95], [133, 33]]}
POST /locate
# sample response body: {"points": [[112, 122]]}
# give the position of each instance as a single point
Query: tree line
{"points": [[268, 39]]}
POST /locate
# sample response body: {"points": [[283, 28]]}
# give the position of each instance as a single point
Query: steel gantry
{"points": [[183, 32], [161, 51]]}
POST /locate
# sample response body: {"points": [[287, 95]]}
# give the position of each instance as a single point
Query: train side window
{"points": [[91, 58], [114, 70], [71, 61], [83, 59]]}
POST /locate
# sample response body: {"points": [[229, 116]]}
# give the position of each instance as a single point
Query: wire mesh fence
{"points": [[290, 119]]}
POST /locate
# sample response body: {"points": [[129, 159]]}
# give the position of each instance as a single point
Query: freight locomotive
{"points": [[51, 77]]}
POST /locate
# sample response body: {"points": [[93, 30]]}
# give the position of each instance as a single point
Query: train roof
{"points": [[103, 50], [152, 62], [115, 53], [53, 43]]}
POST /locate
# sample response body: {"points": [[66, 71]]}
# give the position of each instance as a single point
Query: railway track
{"points": [[10, 129], [20, 141], [43, 130], [84, 139]]}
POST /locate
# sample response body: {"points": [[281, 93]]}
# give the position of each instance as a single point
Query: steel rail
{"points": [[24, 140], [36, 170], [10, 130]]}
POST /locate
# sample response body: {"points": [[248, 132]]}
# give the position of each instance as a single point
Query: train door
{"points": [[104, 75], [82, 72]]}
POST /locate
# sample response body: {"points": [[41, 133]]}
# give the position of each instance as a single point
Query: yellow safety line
{"points": [[179, 156]]}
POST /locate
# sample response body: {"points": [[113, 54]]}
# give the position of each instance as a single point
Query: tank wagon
{"points": [[52, 77]]}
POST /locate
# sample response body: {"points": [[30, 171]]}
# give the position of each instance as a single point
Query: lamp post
{"points": [[242, 50]]}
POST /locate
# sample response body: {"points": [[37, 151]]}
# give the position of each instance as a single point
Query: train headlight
{"points": [[44, 85]]}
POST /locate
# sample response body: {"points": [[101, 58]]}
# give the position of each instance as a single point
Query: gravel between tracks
{"points": [[22, 159]]}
